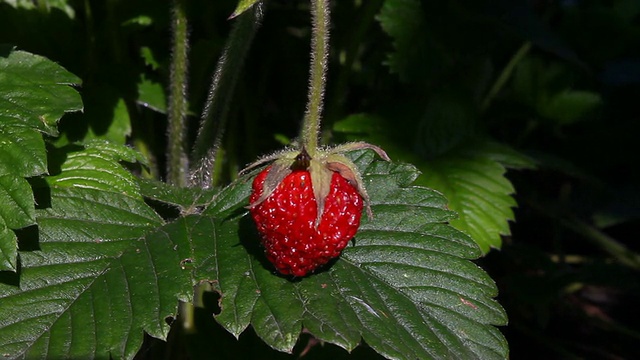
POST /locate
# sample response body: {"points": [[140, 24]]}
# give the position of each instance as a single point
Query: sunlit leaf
{"points": [[477, 189]]}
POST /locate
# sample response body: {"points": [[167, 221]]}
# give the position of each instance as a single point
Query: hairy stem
{"points": [[177, 161], [215, 114], [319, 52]]}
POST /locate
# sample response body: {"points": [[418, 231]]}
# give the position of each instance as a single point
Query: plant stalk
{"points": [[505, 75], [610, 245], [216, 109], [613, 247], [177, 161], [318, 72]]}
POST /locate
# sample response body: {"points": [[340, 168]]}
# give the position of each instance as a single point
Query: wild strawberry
{"points": [[286, 221], [307, 209]]}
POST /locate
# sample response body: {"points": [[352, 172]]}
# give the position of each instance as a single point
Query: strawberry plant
{"points": [[170, 189]]}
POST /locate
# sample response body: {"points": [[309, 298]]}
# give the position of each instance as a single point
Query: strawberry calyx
{"points": [[320, 167]]}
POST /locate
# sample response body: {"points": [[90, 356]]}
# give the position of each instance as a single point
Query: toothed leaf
{"points": [[89, 283], [406, 287], [473, 179], [34, 94]]}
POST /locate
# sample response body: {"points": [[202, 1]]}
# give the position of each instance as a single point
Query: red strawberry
{"points": [[287, 221], [306, 207]]}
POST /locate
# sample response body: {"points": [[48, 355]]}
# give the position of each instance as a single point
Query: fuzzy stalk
{"points": [[317, 78], [216, 109], [177, 161]]}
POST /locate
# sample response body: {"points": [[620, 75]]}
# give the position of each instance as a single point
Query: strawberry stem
{"points": [[318, 70], [177, 162]]}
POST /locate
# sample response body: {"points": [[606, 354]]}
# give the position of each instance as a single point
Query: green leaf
{"points": [[100, 276], [149, 58], [569, 106], [93, 287], [405, 287], [8, 248], [142, 20], [35, 90], [474, 182], [22, 151], [106, 117], [34, 94], [546, 88], [243, 5], [507, 156], [151, 95], [16, 198], [187, 199], [93, 283], [45, 5], [119, 127], [96, 167]]}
